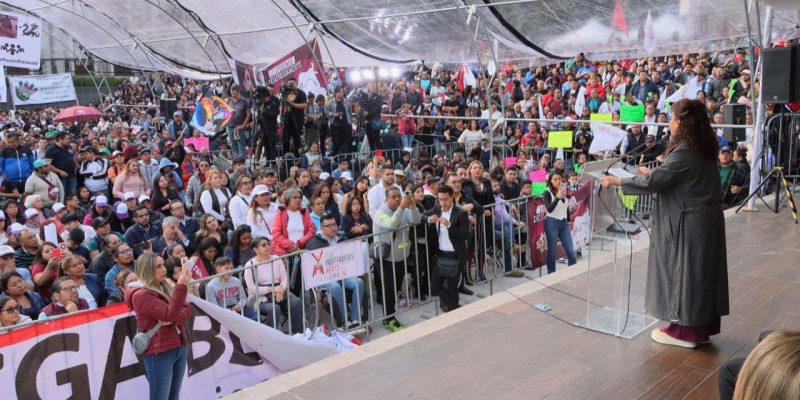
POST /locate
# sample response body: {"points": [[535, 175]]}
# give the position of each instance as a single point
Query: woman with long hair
{"points": [[13, 213], [556, 224], [131, 180], [209, 226], [11, 284], [772, 369], [239, 249], [208, 249], [324, 192], [261, 213], [355, 221], [360, 190], [687, 278], [481, 190], [241, 201], [100, 209], [11, 312], [215, 197], [44, 270], [157, 301], [163, 195]]}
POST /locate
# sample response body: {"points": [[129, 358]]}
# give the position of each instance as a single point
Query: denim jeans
{"points": [[238, 146], [70, 185], [356, 285], [408, 139], [164, 372], [504, 235], [555, 230], [291, 305]]}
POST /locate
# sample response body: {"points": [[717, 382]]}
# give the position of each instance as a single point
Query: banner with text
{"points": [[89, 355], [301, 64], [334, 263], [3, 87], [20, 40], [580, 222], [41, 89]]}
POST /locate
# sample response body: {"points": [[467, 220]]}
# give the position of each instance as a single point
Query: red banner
{"points": [[580, 222], [301, 64]]}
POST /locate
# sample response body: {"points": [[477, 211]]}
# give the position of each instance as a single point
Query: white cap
{"points": [[58, 207], [116, 153], [16, 228], [2, 216], [101, 200], [6, 250], [324, 176], [347, 175], [129, 195], [31, 212], [259, 189], [144, 198]]}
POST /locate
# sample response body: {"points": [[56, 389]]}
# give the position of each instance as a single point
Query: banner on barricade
{"points": [[580, 223], [20, 40], [334, 263], [301, 64], [211, 115], [41, 89], [90, 355]]}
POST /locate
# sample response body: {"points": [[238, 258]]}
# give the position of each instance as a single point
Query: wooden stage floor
{"points": [[514, 351]]}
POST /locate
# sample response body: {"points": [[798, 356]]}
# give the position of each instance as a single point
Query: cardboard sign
{"points": [[601, 117], [630, 113], [560, 139]]}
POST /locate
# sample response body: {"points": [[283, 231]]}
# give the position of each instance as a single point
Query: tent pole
{"points": [[758, 137]]}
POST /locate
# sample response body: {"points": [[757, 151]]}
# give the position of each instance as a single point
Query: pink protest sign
{"points": [[199, 143], [509, 161], [539, 175]]}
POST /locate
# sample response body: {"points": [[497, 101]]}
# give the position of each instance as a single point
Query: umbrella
{"points": [[78, 113]]}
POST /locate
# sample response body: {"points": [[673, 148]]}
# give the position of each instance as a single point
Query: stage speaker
{"points": [[781, 75], [168, 107], [734, 114]]}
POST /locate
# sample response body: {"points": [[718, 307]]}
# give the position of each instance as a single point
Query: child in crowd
{"points": [[227, 291]]}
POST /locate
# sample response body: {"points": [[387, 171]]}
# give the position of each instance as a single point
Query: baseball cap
{"points": [[101, 201], [144, 198], [31, 212], [116, 153], [2, 216], [40, 163], [745, 71], [16, 228], [128, 196], [725, 149], [176, 113], [58, 207], [399, 172], [121, 210], [259, 189], [6, 250], [324, 176], [347, 175]]}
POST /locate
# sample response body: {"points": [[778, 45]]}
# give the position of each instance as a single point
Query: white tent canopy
{"points": [[196, 37]]}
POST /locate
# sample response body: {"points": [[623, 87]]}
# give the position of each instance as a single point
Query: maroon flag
{"points": [[618, 20], [301, 64]]}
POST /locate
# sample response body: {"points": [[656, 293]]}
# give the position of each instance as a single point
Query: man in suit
{"points": [[450, 241], [340, 122]]}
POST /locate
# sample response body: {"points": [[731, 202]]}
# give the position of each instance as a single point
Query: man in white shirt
{"points": [[377, 194], [95, 171], [450, 234]]}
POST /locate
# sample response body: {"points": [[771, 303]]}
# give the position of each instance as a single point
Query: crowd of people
{"points": [[84, 202]]}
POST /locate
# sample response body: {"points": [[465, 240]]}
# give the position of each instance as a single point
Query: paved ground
{"points": [[503, 347]]}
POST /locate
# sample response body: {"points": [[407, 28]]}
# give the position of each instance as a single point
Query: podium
{"points": [[611, 306]]}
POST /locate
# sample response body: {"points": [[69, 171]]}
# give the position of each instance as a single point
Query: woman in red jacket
{"points": [[292, 228], [157, 301]]}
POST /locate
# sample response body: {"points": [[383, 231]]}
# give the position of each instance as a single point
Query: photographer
{"points": [[295, 103], [268, 109], [338, 112]]}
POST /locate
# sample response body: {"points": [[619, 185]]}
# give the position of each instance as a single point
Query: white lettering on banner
{"points": [[89, 355], [41, 89], [334, 263], [282, 67], [20, 40]]}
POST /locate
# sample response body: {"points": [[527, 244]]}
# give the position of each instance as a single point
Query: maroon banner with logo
{"points": [[580, 222], [301, 64]]}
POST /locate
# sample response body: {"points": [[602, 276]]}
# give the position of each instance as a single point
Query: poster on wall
{"points": [[301, 64], [20, 40], [41, 89]]}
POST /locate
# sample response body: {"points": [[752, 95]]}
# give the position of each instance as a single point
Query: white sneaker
{"points": [[659, 336]]}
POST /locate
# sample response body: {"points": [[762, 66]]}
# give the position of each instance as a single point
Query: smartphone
{"points": [[409, 193], [57, 253], [62, 247], [564, 186], [184, 261]]}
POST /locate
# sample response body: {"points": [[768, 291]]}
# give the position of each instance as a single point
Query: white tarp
{"points": [[89, 356], [41, 89], [20, 40]]}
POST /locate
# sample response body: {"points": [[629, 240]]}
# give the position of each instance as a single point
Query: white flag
{"points": [[606, 137], [580, 102], [679, 94], [559, 154]]}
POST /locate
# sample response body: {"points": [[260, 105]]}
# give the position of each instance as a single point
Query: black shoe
{"points": [[466, 291]]}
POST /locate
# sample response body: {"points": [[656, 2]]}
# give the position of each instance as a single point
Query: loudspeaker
{"points": [[168, 107], [734, 114], [781, 75]]}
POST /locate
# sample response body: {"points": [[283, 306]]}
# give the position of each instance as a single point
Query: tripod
{"points": [[781, 178]]}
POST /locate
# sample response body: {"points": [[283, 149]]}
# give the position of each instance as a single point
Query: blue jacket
{"points": [[111, 275], [16, 164], [92, 282], [136, 236]]}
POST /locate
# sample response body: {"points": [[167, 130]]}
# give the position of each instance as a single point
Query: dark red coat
{"points": [[150, 308]]}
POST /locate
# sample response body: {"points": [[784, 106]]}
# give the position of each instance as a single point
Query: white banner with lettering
{"points": [[334, 263], [20, 40], [89, 356], [41, 89], [606, 137]]}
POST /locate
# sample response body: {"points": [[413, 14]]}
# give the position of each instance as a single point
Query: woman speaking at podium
{"points": [[687, 278]]}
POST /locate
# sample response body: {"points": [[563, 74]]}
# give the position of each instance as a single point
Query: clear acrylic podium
{"points": [[611, 307]]}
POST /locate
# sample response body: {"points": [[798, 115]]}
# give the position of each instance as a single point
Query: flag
{"points": [[618, 20], [211, 115], [606, 137], [541, 108], [459, 78], [649, 40], [580, 101], [469, 77], [679, 94], [559, 154]]}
